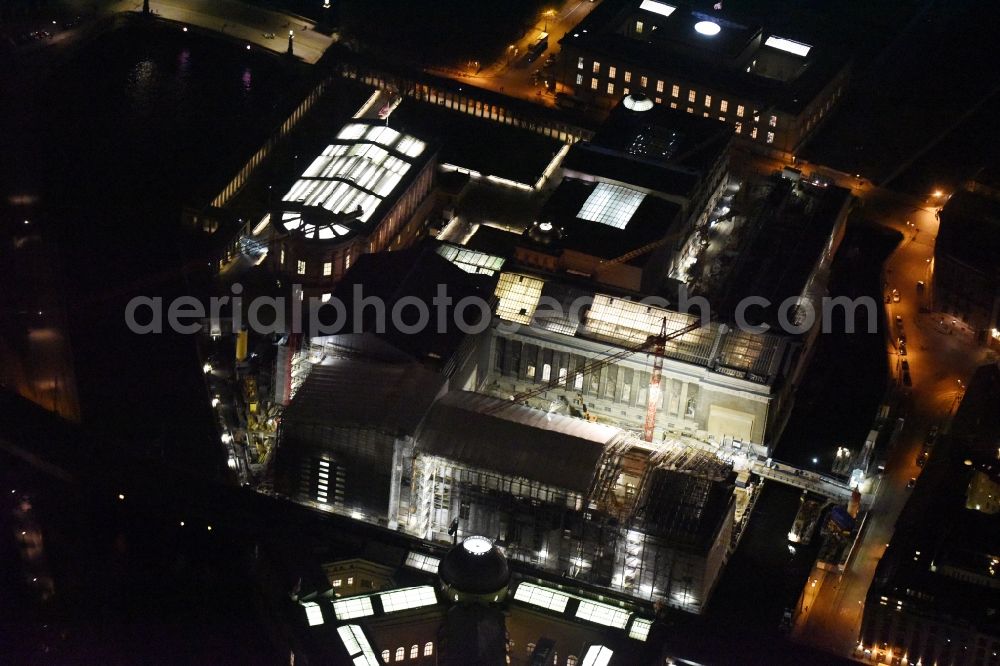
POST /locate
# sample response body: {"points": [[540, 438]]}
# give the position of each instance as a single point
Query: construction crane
{"points": [[658, 345]]}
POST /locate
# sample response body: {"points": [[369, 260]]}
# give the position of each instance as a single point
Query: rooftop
{"points": [[970, 231], [685, 510], [748, 57], [356, 179], [490, 433]]}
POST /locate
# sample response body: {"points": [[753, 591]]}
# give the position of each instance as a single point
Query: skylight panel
{"points": [[412, 597], [518, 297], [661, 8], [640, 629], [357, 645], [352, 131], [347, 609], [422, 562], [612, 205], [609, 616], [536, 595], [597, 655], [314, 614], [788, 45]]}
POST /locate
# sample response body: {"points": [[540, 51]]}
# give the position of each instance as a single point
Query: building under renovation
{"points": [[575, 498]]}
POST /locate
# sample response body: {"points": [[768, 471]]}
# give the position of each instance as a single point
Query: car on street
{"points": [[912, 482], [922, 458], [931, 436], [899, 320], [902, 347], [895, 295]]}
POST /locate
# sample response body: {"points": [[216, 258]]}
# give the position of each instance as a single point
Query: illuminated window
{"points": [[407, 598], [611, 89], [640, 629], [659, 86], [659, 100], [593, 84], [414, 651], [773, 121], [691, 96], [722, 118], [609, 616], [327, 268], [350, 580], [625, 90], [597, 68], [675, 90], [385, 656], [787, 45], [536, 595], [281, 257], [753, 133], [690, 110], [739, 110], [638, 27], [579, 79], [578, 381], [724, 105], [428, 649], [628, 76], [300, 267], [708, 100], [673, 105], [337, 583], [643, 81], [612, 71], [347, 609], [579, 62], [571, 660], [770, 137], [613, 205], [400, 653], [313, 613], [530, 371], [546, 372]]}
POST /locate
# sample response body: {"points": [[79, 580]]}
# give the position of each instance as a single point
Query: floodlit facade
{"points": [[605, 508], [773, 89], [358, 196]]}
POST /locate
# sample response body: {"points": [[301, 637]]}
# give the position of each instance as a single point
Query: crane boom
{"points": [[653, 395]]}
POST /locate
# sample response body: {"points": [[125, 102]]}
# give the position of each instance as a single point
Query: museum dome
{"points": [[474, 567]]}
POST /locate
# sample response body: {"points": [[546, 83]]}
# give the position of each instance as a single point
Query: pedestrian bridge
{"points": [[834, 489]]}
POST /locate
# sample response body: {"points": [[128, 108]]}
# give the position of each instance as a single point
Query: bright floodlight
{"points": [[788, 45], [638, 103], [477, 545], [660, 8], [707, 28], [612, 205]]}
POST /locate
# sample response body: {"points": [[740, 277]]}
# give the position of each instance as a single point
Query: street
{"points": [[510, 74], [940, 358]]}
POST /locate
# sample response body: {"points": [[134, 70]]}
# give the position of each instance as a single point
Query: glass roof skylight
{"points": [[411, 597], [707, 28], [609, 616], [357, 645], [536, 595], [660, 8], [471, 261], [518, 297], [640, 628], [612, 205], [597, 655], [787, 45], [422, 562], [347, 609], [314, 614], [351, 177]]}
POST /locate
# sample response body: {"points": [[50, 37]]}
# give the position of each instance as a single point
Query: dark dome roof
{"points": [[475, 566]]}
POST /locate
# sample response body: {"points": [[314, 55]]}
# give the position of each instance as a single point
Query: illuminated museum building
{"points": [[360, 195], [464, 605], [774, 89]]}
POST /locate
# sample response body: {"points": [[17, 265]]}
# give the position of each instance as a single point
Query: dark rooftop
{"points": [[651, 221], [684, 509], [722, 67], [970, 231]]}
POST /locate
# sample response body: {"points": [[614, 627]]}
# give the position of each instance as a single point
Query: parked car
{"points": [[912, 482], [902, 348], [895, 295], [921, 459]]}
